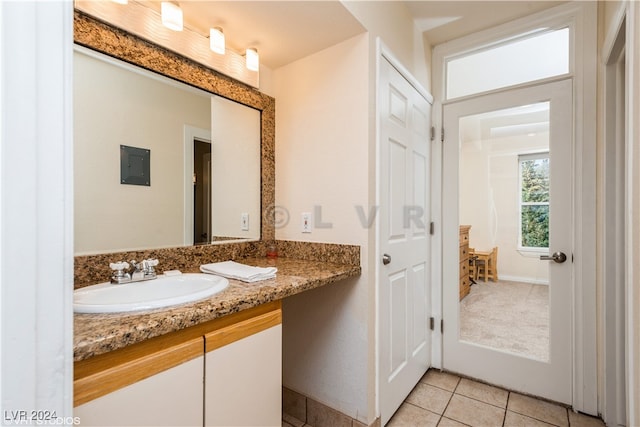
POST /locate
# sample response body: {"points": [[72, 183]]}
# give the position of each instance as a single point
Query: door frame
{"points": [[632, 219], [36, 237], [384, 53], [581, 17], [191, 133], [612, 225], [633, 222]]}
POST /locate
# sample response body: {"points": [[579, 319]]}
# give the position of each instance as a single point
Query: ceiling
{"points": [[284, 31], [441, 21]]}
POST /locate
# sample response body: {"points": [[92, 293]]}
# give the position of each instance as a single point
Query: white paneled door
{"points": [[404, 239], [508, 174]]}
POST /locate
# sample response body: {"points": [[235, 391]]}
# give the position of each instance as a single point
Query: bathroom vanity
{"points": [[206, 373], [217, 361]]}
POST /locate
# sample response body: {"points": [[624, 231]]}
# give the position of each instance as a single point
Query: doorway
{"points": [[197, 198], [509, 155], [201, 192], [580, 19]]}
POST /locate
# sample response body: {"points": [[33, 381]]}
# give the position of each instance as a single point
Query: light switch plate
{"points": [[244, 221], [306, 222]]}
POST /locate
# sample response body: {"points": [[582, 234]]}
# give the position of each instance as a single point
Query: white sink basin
{"points": [[164, 291]]}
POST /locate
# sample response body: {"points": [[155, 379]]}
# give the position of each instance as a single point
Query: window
{"points": [[526, 59], [534, 200]]}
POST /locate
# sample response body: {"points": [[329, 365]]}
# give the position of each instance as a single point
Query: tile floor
{"points": [[446, 400], [442, 399]]}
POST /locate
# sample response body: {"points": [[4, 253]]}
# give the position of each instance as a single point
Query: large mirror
{"points": [[199, 156]]}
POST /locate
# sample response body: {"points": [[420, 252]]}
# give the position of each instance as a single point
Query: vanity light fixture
{"points": [[121, 1], [171, 16], [253, 59], [216, 40], [141, 19]]}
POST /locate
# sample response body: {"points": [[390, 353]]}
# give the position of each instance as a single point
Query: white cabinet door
{"points": [[169, 398], [243, 385]]}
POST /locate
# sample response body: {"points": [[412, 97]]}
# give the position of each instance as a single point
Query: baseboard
{"points": [[297, 408], [520, 279]]}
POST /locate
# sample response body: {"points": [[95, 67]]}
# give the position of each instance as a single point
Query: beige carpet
{"points": [[508, 316]]}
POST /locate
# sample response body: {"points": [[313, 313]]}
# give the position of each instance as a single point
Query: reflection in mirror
{"points": [[118, 104], [504, 199]]}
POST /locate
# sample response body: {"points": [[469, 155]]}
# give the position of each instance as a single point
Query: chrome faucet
{"points": [[144, 270]]}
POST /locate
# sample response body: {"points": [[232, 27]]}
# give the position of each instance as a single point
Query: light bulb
{"points": [[216, 40], [171, 16], [253, 59]]}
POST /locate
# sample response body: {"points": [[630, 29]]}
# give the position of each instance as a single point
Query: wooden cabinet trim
{"points": [[108, 372], [237, 331], [106, 376]]}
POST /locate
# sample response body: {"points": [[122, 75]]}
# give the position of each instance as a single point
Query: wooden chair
{"points": [[473, 269], [489, 269]]}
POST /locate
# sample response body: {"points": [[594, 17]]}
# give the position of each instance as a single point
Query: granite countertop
{"points": [[96, 334]]}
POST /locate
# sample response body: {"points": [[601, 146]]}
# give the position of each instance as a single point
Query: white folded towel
{"points": [[235, 270]]}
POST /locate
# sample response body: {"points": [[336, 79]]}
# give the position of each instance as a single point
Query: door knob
{"points": [[558, 257], [386, 259]]}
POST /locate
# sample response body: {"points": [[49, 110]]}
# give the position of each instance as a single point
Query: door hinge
{"points": [[442, 326], [433, 133], [431, 323], [442, 135], [432, 228]]}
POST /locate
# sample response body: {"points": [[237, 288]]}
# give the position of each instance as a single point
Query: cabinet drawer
{"points": [[464, 270], [464, 239], [464, 287], [172, 397], [464, 254], [109, 372]]}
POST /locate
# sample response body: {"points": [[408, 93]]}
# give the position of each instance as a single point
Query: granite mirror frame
{"points": [[107, 39]]}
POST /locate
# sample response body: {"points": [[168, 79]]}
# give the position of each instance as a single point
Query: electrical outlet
{"points": [[306, 222], [244, 221]]}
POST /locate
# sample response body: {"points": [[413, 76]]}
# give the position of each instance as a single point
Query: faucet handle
{"points": [[148, 266], [119, 266], [119, 275]]}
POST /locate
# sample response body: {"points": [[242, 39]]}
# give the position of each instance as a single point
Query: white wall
{"points": [[322, 166], [325, 158], [235, 171], [114, 106], [392, 22]]}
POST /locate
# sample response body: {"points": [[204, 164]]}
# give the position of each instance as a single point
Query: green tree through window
{"points": [[534, 200]]}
